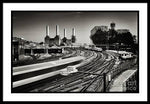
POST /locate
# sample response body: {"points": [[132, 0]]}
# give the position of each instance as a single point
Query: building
{"points": [[96, 28], [57, 41], [15, 50], [21, 46], [68, 42], [17, 47], [52, 41], [101, 36]]}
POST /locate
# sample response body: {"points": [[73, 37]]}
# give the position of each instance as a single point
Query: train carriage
{"points": [[126, 55]]}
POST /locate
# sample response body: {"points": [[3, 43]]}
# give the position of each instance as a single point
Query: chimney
{"points": [[73, 31], [57, 29], [47, 30], [64, 32]]}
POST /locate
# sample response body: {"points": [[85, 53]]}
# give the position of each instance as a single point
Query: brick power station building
{"points": [[57, 41]]}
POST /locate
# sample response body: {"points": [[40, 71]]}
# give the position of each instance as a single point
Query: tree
{"points": [[99, 37], [125, 38]]}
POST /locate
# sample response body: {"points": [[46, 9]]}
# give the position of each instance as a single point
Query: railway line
{"points": [[96, 63], [90, 81], [79, 79], [65, 79], [18, 74]]}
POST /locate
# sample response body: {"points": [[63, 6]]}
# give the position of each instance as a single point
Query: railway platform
{"points": [[30, 73], [119, 83]]}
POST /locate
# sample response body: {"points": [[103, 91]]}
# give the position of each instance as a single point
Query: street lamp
{"points": [[22, 46]]}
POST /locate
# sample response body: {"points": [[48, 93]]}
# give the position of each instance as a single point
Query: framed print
{"points": [[70, 51]]}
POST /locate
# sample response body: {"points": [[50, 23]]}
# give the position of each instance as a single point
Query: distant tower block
{"points": [[112, 25], [47, 30], [57, 29]]}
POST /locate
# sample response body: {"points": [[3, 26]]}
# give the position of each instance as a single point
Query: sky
{"points": [[32, 25]]}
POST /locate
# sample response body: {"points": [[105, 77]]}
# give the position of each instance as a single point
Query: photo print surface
{"points": [[75, 51]]}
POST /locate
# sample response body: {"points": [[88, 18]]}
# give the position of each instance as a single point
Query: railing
{"points": [[119, 69]]}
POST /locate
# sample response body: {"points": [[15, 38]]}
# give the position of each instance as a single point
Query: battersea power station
{"points": [[57, 41]]}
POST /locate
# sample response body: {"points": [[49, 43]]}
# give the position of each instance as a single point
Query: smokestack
{"points": [[73, 31], [47, 30], [57, 29], [64, 32]]}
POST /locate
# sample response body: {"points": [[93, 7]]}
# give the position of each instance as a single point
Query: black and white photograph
{"points": [[74, 51]]}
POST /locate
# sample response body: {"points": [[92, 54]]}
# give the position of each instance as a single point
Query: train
{"points": [[123, 54], [94, 48], [126, 55]]}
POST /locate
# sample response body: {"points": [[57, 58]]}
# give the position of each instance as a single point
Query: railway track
{"points": [[69, 82], [79, 81], [64, 79], [36, 84], [89, 82]]}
